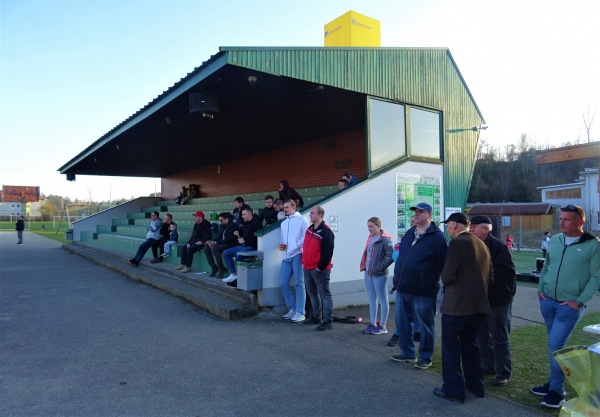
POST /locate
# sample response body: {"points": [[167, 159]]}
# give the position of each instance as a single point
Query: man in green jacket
{"points": [[569, 279]]}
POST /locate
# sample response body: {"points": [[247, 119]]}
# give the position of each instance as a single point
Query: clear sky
{"points": [[71, 70]]}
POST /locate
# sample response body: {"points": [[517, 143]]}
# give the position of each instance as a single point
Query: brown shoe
{"points": [[179, 267], [186, 269]]}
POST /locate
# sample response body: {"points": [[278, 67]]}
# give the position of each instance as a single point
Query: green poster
{"points": [[412, 189]]}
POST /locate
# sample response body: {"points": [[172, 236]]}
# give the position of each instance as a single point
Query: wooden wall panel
{"points": [[311, 164]]}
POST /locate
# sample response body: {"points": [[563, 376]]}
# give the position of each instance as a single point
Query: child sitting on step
{"points": [[173, 238]]}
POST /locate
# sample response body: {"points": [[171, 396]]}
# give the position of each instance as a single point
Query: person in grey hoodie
{"points": [[152, 238], [293, 229]]}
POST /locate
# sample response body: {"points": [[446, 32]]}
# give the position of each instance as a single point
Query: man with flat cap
{"points": [[493, 334], [420, 261], [466, 278]]}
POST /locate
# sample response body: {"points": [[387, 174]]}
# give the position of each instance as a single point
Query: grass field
{"points": [[36, 227]]}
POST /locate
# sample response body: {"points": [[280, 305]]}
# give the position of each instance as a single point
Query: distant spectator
{"points": [[509, 242], [183, 196], [201, 233], [173, 239], [20, 226], [343, 183], [152, 238], [239, 205], [269, 213], [278, 206], [288, 193], [545, 241], [350, 178]]}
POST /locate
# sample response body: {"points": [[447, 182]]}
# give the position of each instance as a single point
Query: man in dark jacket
{"points": [[317, 252], [269, 214], [201, 234], [288, 193], [165, 231], [239, 205], [420, 261], [20, 226], [215, 248], [466, 278], [493, 333], [247, 241]]}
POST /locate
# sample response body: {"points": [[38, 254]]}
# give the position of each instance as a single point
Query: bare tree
{"points": [[588, 120]]}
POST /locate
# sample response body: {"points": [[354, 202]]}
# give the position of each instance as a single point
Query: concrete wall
{"points": [[376, 197]]}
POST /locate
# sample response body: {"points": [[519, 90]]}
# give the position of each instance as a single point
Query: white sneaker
{"points": [[298, 318], [230, 278], [290, 314], [164, 254]]}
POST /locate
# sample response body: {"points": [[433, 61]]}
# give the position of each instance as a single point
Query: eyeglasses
{"points": [[573, 209]]}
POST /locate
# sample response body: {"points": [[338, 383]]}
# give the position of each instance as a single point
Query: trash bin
{"points": [[581, 366], [249, 270], [69, 234]]}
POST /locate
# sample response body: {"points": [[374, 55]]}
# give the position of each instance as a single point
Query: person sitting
{"points": [[350, 178], [343, 183], [269, 213], [247, 241], [239, 205], [183, 196], [288, 193], [159, 246], [152, 238], [201, 233], [215, 248], [278, 206], [173, 238]]}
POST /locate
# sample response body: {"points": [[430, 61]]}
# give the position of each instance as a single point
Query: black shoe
{"points": [[417, 337], [327, 325], [500, 382], [393, 341], [223, 273], [213, 272], [232, 283], [438, 392], [156, 261], [477, 392], [553, 400], [132, 262], [313, 320]]}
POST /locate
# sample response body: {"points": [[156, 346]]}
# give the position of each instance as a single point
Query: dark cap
{"points": [[199, 213], [458, 218], [574, 209], [480, 219], [422, 206]]}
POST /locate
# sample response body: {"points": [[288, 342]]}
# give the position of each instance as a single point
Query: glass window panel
{"points": [[387, 137], [424, 133]]}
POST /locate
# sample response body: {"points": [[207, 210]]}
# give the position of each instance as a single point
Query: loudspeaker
{"points": [[203, 102]]}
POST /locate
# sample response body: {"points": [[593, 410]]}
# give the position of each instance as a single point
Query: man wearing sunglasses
{"points": [[569, 279]]}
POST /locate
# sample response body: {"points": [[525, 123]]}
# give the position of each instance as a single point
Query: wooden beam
{"points": [[568, 153]]}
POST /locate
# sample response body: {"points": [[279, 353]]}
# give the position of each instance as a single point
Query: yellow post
{"points": [[353, 29]]}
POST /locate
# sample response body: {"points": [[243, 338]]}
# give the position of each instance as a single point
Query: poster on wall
{"points": [[412, 189]]}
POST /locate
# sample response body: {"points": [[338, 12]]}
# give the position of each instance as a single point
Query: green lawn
{"points": [[525, 261], [530, 362], [36, 227]]}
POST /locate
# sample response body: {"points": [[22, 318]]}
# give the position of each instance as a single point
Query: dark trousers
{"points": [[460, 344], [159, 246], [215, 254], [495, 343], [317, 287], [187, 253], [143, 248]]}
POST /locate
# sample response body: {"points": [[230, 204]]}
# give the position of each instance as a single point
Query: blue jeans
{"points": [[460, 346], [317, 287], [293, 266], [143, 248], [421, 309], [495, 343], [230, 253], [378, 294], [560, 321]]}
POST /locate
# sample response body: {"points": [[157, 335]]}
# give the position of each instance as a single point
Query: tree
{"points": [[587, 121]]}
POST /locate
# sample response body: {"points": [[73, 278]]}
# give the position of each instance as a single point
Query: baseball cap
{"points": [[422, 206], [458, 218], [199, 213], [480, 219]]}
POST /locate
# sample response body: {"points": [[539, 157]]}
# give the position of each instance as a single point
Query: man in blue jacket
{"points": [[420, 261]]}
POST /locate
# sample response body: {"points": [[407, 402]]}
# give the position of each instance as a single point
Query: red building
{"points": [[20, 193]]}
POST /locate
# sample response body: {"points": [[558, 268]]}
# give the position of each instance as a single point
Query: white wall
{"points": [[375, 197]]}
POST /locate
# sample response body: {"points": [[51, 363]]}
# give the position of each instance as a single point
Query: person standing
{"points": [[509, 242], [317, 252], [466, 277], [152, 238], [376, 259], [293, 230], [421, 258], [569, 279], [494, 332], [201, 233], [545, 242], [19, 227]]}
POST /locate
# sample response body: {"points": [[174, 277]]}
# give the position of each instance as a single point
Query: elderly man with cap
{"points": [[493, 333], [569, 279], [200, 235], [466, 278], [420, 261]]}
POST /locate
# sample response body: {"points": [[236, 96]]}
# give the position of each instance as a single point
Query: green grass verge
{"points": [[525, 261], [36, 227], [530, 362]]}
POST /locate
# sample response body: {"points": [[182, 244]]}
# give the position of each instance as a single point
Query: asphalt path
{"points": [[77, 339]]}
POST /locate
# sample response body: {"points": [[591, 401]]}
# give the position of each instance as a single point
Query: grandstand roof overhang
{"points": [[300, 94]]}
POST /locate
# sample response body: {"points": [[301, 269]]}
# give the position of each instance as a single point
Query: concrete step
{"points": [[208, 294]]}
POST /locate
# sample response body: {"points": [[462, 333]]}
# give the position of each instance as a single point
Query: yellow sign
{"points": [[353, 29]]}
